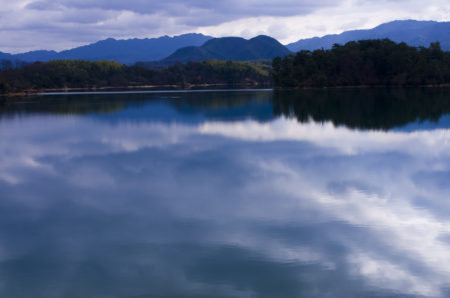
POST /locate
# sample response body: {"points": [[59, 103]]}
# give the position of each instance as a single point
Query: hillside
{"points": [[379, 62], [230, 48], [413, 33], [127, 51]]}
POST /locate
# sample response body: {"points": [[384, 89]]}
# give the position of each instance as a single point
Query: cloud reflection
{"points": [[344, 211]]}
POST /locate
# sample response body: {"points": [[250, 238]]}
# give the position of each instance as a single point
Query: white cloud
{"points": [[430, 143]]}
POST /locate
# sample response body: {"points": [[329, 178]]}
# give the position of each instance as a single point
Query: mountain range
{"points": [[127, 51], [413, 33], [167, 50]]}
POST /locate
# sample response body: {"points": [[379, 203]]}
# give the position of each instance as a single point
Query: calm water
{"points": [[338, 193]]}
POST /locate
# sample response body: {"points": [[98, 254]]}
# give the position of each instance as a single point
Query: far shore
{"points": [[194, 87], [32, 92]]}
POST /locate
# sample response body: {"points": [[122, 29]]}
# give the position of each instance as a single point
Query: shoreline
{"points": [[33, 92]]}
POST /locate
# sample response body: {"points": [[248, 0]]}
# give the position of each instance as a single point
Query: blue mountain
{"points": [[33, 56], [124, 51], [5, 56], [413, 33]]}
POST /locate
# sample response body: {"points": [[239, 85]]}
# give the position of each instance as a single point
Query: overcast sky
{"points": [[62, 24]]}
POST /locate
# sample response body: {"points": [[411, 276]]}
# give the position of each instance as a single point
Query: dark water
{"points": [[326, 193]]}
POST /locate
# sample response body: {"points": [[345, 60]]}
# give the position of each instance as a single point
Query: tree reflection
{"points": [[364, 108]]}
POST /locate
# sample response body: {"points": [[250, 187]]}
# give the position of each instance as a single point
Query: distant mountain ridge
{"points": [[413, 33], [127, 51], [167, 50], [230, 48]]}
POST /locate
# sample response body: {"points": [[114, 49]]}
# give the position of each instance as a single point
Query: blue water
{"points": [[338, 193]]}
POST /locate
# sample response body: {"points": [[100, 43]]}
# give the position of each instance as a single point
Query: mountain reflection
{"points": [[379, 109], [225, 105], [178, 196]]}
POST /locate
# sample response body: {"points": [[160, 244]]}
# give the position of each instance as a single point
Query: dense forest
{"points": [[67, 74], [364, 63]]}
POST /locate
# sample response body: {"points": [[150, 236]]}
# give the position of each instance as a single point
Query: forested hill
{"points": [[230, 48], [364, 63], [80, 74]]}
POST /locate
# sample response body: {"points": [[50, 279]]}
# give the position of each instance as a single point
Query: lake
{"points": [[250, 193]]}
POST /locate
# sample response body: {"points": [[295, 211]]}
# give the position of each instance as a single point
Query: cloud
{"points": [[186, 12], [231, 9]]}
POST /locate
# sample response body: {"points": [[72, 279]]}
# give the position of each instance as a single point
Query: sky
{"points": [[63, 24]]}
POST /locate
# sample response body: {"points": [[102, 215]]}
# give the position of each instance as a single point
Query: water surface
{"points": [[319, 193]]}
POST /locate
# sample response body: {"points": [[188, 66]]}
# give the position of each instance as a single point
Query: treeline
{"points": [[80, 74], [364, 63]]}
